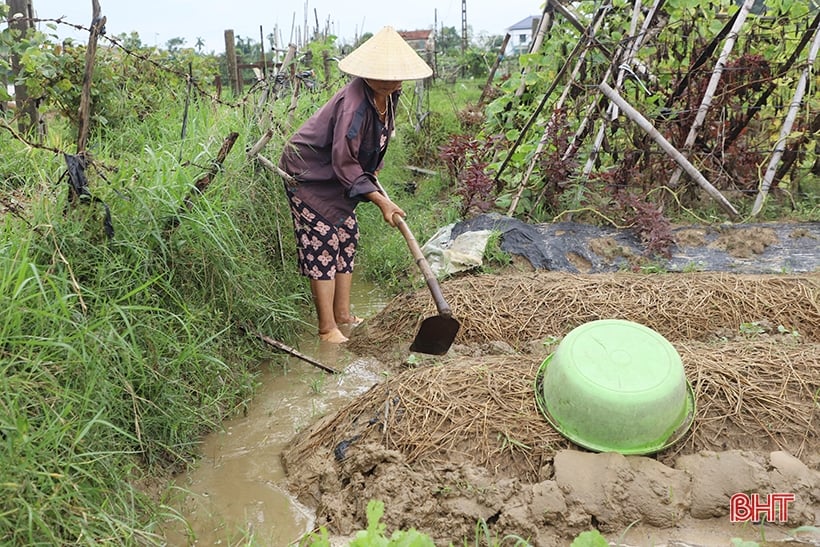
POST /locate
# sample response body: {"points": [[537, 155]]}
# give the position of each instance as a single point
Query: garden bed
{"points": [[449, 442]]}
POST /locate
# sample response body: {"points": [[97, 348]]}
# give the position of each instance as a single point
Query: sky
{"points": [[157, 21]]}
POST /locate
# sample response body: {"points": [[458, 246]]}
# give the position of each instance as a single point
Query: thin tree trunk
{"points": [[786, 129], [712, 86], [681, 160], [97, 25]]}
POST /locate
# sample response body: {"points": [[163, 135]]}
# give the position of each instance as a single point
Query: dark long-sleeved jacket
{"points": [[335, 154]]}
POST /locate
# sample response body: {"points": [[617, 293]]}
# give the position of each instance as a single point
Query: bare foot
{"points": [[351, 320], [334, 336]]}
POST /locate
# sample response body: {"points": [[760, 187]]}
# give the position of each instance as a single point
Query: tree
{"points": [[175, 44], [130, 41]]}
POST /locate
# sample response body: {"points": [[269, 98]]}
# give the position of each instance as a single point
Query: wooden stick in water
{"points": [[279, 345]]}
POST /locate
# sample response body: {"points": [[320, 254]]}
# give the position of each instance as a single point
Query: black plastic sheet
{"points": [[782, 247], [76, 165]]}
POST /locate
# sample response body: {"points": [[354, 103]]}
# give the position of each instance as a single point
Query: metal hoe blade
{"points": [[435, 335]]}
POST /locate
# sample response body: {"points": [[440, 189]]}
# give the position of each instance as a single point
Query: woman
{"points": [[332, 162]]}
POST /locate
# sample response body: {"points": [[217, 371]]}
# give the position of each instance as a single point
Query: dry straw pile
{"points": [[521, 308], [754, 390]]}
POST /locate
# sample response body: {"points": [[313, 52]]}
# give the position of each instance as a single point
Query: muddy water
{"points": [[237, 492]]}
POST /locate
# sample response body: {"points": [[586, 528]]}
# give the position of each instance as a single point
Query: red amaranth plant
{"points": [[466, 161], [648, 218]]}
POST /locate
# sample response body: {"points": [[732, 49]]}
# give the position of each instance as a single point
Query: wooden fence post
{"points": [[233, 66]]}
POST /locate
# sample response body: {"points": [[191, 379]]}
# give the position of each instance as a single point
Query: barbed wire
{"points": [[146, 58], [116, 42], [246, 98]]}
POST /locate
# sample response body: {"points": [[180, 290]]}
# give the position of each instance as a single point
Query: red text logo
{"points": [[770, 508]]}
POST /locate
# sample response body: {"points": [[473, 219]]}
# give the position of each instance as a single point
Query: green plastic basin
{"points": [[616, 386]]}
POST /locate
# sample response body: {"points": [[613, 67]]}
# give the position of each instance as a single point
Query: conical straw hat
{"points": [[386, 56]]}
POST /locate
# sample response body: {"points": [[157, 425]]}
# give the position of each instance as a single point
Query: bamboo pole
{"points": [[708, 95], [612, 110], [573, 19], [260, 144], [738, 126], [594, 27], [294, 101], [791, 153], [636, 40], [270, 86], [701, 60], [785, 130], [578, 47], [579, 64], [497, 62], [538, 110], [544, 24], [631, 52], [681, 160]]}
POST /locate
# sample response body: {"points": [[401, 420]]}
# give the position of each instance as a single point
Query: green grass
{"points": [[117, 355]]}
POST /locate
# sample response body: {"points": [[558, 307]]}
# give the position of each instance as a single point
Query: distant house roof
{"points": [[415, 34], [524, 24]]}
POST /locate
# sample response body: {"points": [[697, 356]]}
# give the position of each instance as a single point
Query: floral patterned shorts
{"points": [[324, 249]]}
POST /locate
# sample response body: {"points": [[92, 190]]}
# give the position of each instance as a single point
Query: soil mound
{"points": [[459, 439], [523, 307]]}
